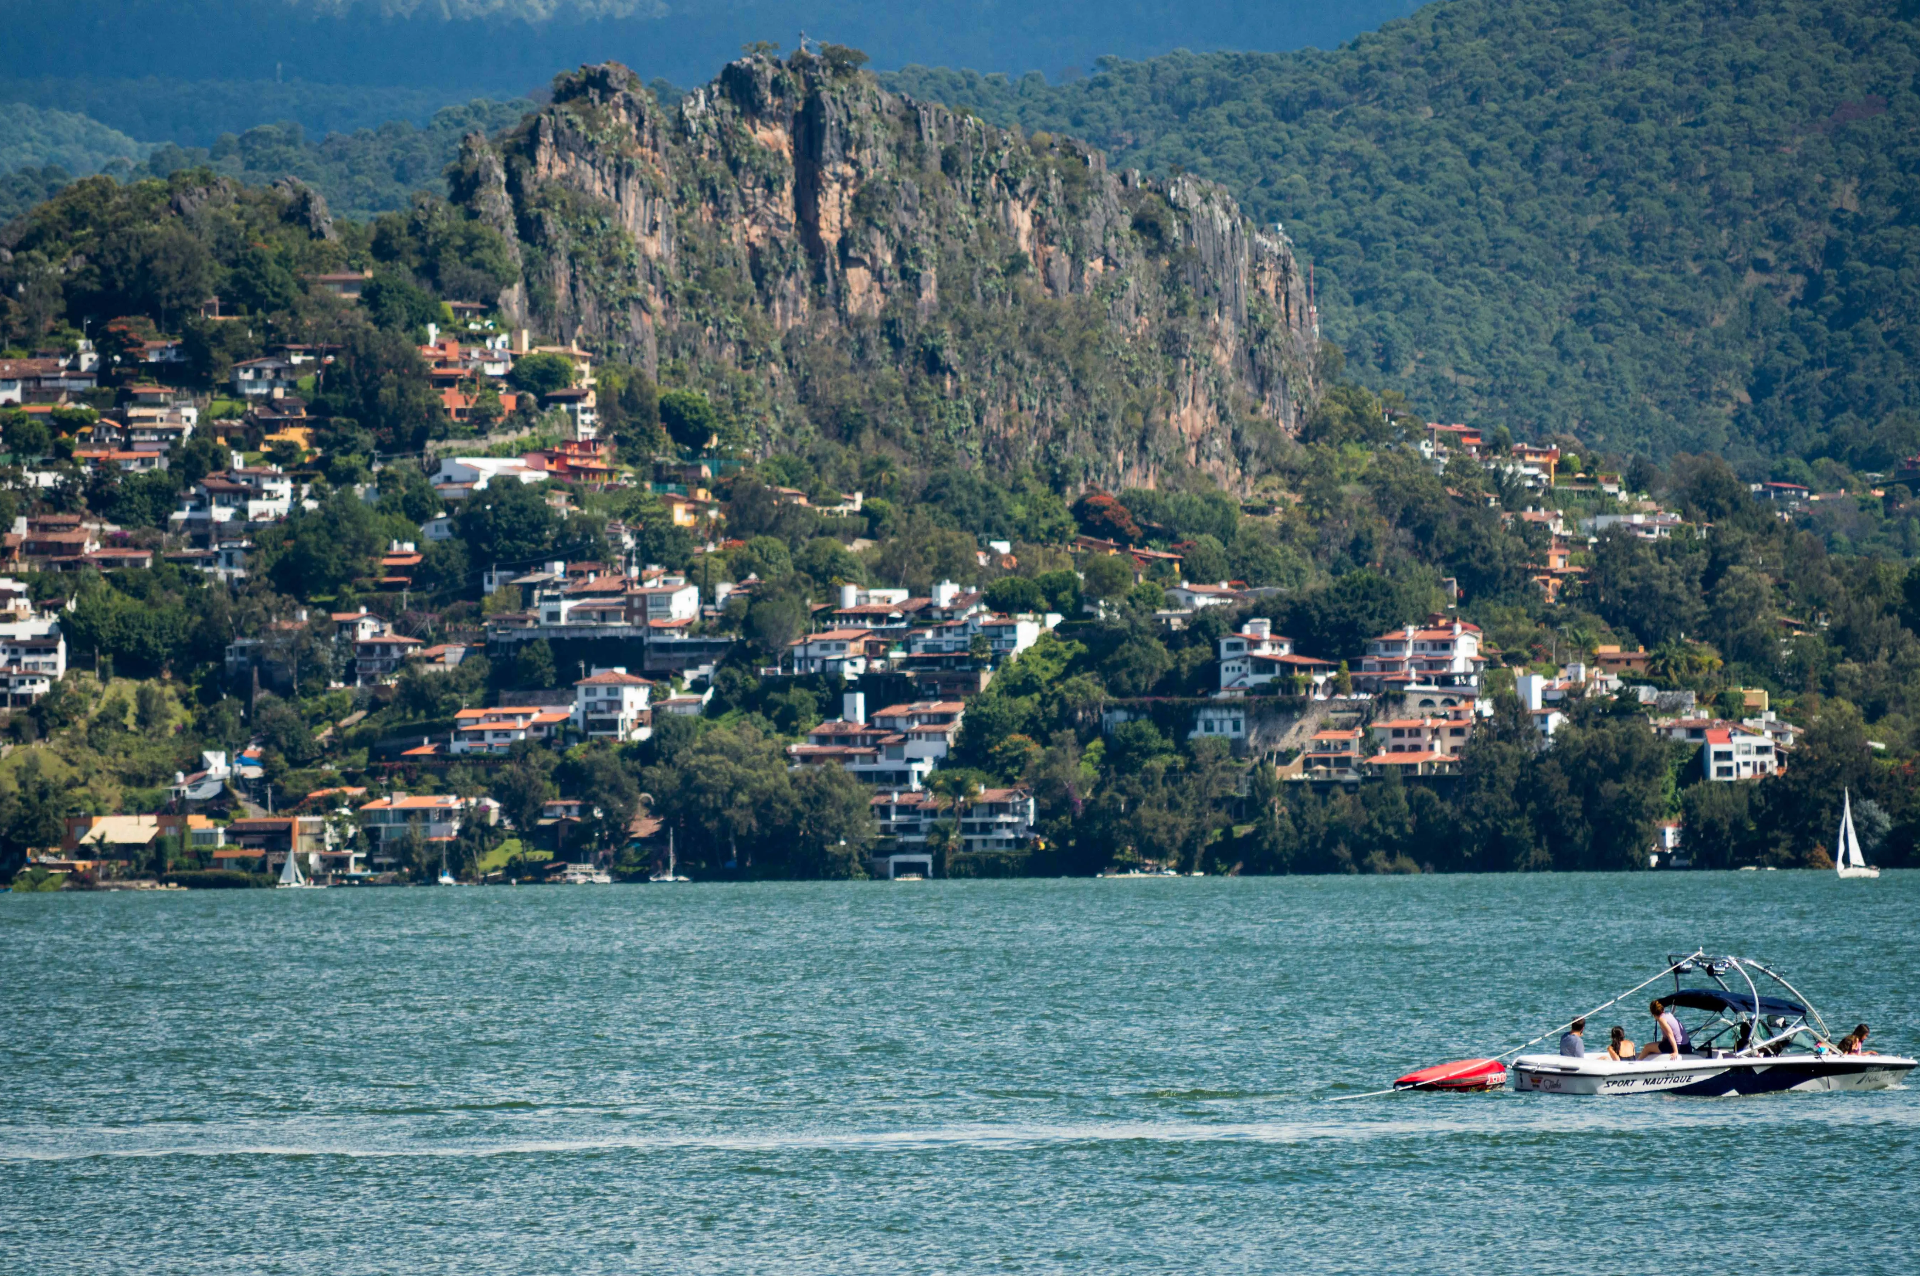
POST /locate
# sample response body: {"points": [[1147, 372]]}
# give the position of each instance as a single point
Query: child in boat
{"points": [[1619, 1045], [1855, 1042]]}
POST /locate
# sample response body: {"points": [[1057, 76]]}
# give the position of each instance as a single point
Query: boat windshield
{"points": [[1721, 1002]]}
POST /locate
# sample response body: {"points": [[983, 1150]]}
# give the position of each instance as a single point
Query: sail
{"points": [[290, 874], [1848, 843]]}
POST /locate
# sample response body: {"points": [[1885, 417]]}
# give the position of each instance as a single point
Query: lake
{"points": [[1017, 1076]]}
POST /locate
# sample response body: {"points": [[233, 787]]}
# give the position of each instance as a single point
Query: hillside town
{"points": [[401, 748]]}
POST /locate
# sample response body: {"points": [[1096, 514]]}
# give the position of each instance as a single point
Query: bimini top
{"points": [[1716, 999]]}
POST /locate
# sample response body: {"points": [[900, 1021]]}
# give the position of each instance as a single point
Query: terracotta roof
{"points": [[612, 678], [415, 802], [832, 635]]}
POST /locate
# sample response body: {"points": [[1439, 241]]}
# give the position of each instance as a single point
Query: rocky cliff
{"points": [[826, 257]]}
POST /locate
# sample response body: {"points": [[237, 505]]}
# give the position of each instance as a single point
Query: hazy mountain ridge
{"points": [[508, 47]]}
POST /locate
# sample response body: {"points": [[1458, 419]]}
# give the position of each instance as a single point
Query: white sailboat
{"points": [[291, 878], [1847, 860], [669, 875], [446, 878]]}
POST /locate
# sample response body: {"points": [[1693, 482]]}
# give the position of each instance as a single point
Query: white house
{"points": [[928, 725], [1194, 597], [842, 651], [998, 820], [1734, 753], [460, 476], [1440, 654], [1648, 527], [1256, 656], [436, 817], [669, 601], [357, 626], [880, 756], [33, 656], [497, 730], [611, 704], [257, 378]]}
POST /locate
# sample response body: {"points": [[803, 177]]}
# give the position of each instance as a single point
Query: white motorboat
{"points": [[584, 875], [1747, 1043], [1847, 859]]}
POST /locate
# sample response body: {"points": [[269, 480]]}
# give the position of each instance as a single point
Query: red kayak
{"points": [[1464, 1075]]}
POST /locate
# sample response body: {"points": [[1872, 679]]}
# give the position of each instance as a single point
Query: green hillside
{"points": [[31, 137], [1662, 225]]}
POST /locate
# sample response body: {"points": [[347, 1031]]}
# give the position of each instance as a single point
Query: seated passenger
{"points": [[1669, 1034], [1618, 1044], [1855, 1042]]}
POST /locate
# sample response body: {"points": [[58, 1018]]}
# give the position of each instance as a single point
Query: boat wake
{"points": [[1472, 1122]]}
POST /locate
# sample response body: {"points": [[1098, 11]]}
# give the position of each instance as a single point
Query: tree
{"points": [[1098, 514], [31, 813], [774, 623], [1107, 576], [689, 418], [318, 551], [259, 283], [508, 524], [26, 437], [1062, 589], [533, 665], [397, 305], [1014, 594], [379, 381], [1205, 561], [541, 374], [833, 824], [1337, 621], [523, 787], [594, 773], [152, 712]]}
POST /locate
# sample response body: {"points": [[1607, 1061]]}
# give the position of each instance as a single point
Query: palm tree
{"points": [[1671, 661]]}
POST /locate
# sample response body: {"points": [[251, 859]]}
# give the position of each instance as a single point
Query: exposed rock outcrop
{"points": [[830, 257]]}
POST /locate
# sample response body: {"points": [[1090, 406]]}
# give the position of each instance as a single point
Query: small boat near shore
{"points": [[292, 879], [1847, 859], [1741, 1042]]}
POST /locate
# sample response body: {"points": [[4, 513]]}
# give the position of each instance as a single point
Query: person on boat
{"points": [[1669, 1034], [1619, 1045], [1571, 1043], [1855, 1042]]}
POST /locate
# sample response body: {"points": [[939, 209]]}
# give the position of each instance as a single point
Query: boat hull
{"points": [[1700, 1076]]}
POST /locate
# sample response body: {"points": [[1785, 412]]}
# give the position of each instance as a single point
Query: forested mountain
{"points": [[30, 137], [1662, 225], [195, 112]]}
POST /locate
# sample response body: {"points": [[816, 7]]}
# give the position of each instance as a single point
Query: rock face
{"points": [[828, 258]]}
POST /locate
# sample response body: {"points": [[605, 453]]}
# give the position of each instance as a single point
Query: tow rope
{"points": [[1434, 1082]]}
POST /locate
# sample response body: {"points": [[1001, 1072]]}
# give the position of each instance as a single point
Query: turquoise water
{"points": [[937, 1077]]}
